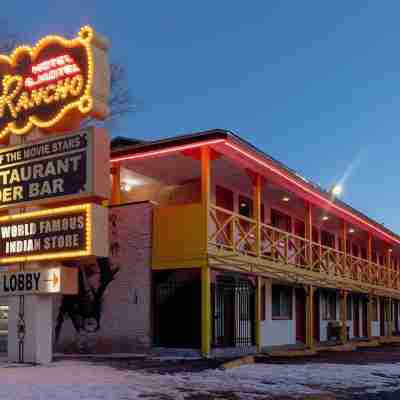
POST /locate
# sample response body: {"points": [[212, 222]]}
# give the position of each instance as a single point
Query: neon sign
{"points": [[54, 85]]}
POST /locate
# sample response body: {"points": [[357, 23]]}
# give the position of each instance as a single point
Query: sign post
{"points": [[53, 179]]}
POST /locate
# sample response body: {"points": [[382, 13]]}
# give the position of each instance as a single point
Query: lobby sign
{"points": [[55, 84], [54, 234], [58, 280], [57, 169]]}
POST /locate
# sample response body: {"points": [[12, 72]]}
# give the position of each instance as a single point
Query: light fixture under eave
{"points": [[285, 199], [126, 187], [351, 230], [325, 218]]}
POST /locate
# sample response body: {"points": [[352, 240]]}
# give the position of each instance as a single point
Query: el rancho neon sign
{"points": [[54, 85]]}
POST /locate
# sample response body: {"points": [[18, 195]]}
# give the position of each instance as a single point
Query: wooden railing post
{"points": [[343, 316], [205, 271], [308, 235]]}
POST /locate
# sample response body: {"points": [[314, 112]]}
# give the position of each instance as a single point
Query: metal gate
{"points": [[233, 310]]}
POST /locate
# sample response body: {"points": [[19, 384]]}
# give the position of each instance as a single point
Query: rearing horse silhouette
{"points": [[87, 304]]}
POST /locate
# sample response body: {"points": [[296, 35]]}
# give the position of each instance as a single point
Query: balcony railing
{"points": [[236, 233]]}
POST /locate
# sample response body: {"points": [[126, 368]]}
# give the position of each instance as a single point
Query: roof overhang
{"points": [[231, 146]]}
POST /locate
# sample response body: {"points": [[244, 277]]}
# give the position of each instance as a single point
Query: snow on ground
{"points": [[72, 379]]}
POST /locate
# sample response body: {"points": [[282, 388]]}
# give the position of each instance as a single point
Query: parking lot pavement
{"points": [[368, 374]]}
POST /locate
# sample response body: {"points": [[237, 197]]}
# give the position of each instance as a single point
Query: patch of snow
{"points": [[78, 380]]}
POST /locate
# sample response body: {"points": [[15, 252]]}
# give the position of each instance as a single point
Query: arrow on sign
{"points": [[55, 280]]}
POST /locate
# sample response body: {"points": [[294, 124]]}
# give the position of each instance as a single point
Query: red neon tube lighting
{"points": [[166, 151], [262, 163], [308, 190]]}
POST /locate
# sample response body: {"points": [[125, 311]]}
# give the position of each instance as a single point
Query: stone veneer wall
{"points": [[126, 308]]}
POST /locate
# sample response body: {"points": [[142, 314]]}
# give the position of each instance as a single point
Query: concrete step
{"points": [[389, 339], [338, 348], [238, 362], [370, 343], [291, 353]]}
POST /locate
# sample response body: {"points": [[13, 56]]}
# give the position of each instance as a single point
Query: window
{"points": [[374, 316], [282, 298], [245, 206], [363, 253], [281, 221], [354, 250], [327, 239], [349, 309], [299, 228], [263, 297], [329, 306], [315, 235]]}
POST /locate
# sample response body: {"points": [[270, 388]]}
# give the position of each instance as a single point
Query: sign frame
{"points": [[64, 281], [91, 100], [96, 239], [97, 156]]}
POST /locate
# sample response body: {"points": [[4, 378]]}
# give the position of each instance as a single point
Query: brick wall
{"points": [[125, 317]]}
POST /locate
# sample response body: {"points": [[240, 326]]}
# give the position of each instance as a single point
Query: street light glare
{"points": [[337, 190]]}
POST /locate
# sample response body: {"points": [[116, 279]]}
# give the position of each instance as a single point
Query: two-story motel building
{"points": [[224, 247]]}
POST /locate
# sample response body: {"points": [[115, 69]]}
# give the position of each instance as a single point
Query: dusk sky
{"points": [[313, 83]]}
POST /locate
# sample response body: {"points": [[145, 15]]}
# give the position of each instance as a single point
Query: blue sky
{"points": [[313, 83]]}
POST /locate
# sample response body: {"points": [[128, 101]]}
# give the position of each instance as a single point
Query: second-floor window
{"points": [[364, 253], [354, 250], [245, 206], [328, 239], [281, 221]]}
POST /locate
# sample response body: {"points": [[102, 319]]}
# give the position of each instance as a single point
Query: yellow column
{"points": [[369, 316], [343, 316], [205, 312], [205, 271], [310, 316], [116, 184], [257, 187], [259, 301]]}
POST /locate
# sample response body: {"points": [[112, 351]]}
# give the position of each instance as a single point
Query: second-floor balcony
{"points": [[234, 234], [218, 202], [253, 246]]}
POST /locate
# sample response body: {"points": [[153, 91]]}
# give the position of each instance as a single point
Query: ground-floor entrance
{"points": [[233, 311]]}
